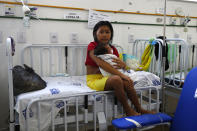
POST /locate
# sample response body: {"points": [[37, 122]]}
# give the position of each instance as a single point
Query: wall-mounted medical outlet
{"points": [[172, 20], [130, 38], [182, 21], [21, 37], [159, 20], [9, 10], [1, 37], [189, 39], [33, 11], [185, 29], [53, 37], [74, 38], [176, 35], [26, 21]]}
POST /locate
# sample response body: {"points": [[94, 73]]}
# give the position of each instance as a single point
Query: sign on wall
{"points": [[72, 16], [95, 16]]}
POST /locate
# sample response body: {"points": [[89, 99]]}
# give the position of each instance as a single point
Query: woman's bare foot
{"points": [[131, 112], [143, 111]]}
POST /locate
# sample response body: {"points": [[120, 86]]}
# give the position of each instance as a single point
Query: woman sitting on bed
{"points": [[120, 83], [140, 78]]}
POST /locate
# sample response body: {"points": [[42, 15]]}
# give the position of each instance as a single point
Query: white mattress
{"points": [[56, 87]]}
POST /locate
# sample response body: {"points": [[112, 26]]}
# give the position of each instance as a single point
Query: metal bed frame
{"points": [[180, 62], [100, 112]]}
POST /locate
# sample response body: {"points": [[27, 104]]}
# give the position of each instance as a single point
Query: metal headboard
{"points": [[54, 57]]}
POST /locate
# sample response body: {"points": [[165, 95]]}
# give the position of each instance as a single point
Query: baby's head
{"points": [[103, 32], [101, 49]]}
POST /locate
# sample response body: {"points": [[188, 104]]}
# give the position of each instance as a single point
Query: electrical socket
{"points": [[176, 35], [53, 37], [74, 38], [130, 38], [21, 37], [189, 39]]}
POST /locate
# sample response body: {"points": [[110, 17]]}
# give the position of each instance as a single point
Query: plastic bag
{"points": [[26, 80], [131, 61]]}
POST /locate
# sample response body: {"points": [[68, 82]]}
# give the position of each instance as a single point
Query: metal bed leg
{"points": [[12, 126], [77, 114], [86, 112], [115, 107], [102, 121], [94, 115], [65, 116]]}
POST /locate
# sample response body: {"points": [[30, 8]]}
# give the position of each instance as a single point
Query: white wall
{"points": [[38, 32]]}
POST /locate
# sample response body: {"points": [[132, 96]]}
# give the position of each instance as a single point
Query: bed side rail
{"points": [[138, 48], [50, 60], [178, 57], [100, 103]]}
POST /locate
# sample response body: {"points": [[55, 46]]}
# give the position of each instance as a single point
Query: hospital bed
{"points": [[181, 58], [178, 58], [66, 102]]}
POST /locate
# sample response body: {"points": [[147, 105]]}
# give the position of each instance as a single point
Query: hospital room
{"points": [[98, 65]]}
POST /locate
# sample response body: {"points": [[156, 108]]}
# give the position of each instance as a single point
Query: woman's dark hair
{"points": [[98, 25]]}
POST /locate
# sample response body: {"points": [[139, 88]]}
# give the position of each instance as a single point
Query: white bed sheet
{"points": [[56, 87], [177, 76]]}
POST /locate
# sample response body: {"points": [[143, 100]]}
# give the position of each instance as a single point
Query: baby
{"points": [[140, 78]]}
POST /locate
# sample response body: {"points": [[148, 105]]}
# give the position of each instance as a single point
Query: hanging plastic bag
{"points": [[131, 61]]}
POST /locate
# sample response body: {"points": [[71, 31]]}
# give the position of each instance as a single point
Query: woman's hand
{"points": [[119, 63]]}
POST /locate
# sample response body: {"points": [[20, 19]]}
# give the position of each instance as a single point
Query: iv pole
{"points": [[163, 56]]}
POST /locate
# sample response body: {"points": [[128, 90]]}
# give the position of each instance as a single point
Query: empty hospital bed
{"points": [[66, 102], [181, 58]]}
